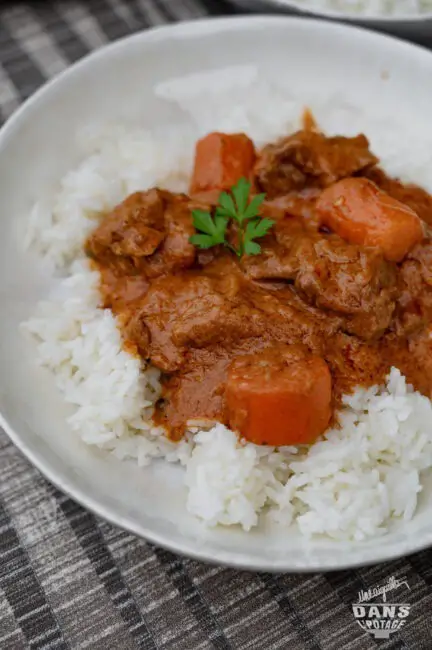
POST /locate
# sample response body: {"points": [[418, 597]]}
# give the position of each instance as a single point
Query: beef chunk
{"points": [[353, 281], [147, 233], [355, 363], [308, 158], [177, 251], [414, 306], [219, 308], [134, 229]]}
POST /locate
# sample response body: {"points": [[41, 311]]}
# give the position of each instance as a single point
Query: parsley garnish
{"points": [[234, 206]]}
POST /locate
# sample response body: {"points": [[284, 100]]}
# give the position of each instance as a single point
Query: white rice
{"points": [[371, 7], [350, 485]]}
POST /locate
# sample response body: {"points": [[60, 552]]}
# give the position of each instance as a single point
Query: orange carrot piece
{"points": [[277, 400], [221, 160], [359, 212]]}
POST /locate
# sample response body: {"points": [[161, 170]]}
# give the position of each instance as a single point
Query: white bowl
{"points": [[37, 146], [414, 27]]}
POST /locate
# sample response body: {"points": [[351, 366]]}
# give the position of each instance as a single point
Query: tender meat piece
{"points": [[174, 305], [412, 195], [359, 212], [355, 363], [297, 204], [350, 280], [308, 158], [147, 233], [330, 274], [134, 229], [278, 260], [121, 292], [414, 305], [279, 396], [177, 251], [413, 356], [136, 334], [221, 160], [190, 309], [197, 392], [420, 373], [218, 307]]}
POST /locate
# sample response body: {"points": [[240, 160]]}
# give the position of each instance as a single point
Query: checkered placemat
{"points": [[71, 581]]}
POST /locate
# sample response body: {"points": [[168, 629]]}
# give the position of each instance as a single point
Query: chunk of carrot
{"points": [[221, 160], [280, 397], [359, 212]]}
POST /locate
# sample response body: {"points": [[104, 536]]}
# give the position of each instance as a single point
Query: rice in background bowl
{"points": [[370, 8], [411, 19]]}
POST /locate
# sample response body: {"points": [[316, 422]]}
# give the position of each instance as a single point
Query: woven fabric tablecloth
{"points": [[69, 580]]}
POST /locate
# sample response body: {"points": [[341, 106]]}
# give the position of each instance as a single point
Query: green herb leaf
{"points": [[258, 228], [252, 248], [202, 221], [227, 207], [202, 241], [241, 194], [232, 207], [252, 209], [214, 230], [221, 224]]}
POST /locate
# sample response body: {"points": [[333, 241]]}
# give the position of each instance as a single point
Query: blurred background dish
{"points": [[411, 19]]}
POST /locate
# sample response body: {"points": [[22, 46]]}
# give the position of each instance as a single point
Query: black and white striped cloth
{"points": [[70, 581]]}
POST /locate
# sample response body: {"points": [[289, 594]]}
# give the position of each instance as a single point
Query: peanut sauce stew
{"points": [[268, 343]]}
